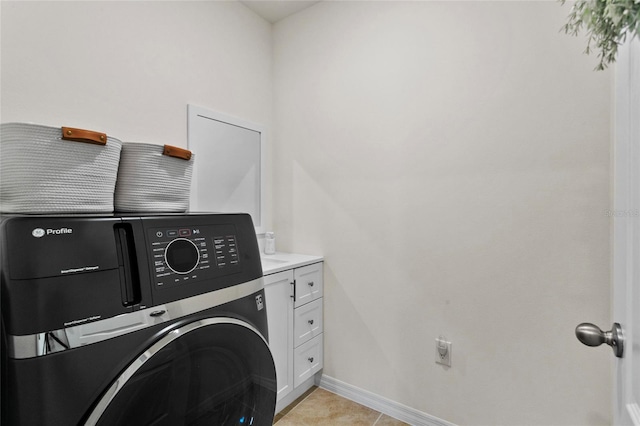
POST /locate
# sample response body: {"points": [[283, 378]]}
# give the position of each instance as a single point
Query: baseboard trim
{"points": [[379, 403]]}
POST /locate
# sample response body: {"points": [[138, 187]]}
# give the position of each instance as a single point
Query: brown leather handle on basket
{"points": [[174, 151], [81, 135]]}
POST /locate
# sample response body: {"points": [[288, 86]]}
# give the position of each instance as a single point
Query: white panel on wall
{"points": [[229, 170]]}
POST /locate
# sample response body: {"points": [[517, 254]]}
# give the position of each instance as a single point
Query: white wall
{"points": [[451, 161], [130, 68]]}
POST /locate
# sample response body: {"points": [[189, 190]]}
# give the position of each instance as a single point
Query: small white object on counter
{"points": [[269, 243], [279, 262]]}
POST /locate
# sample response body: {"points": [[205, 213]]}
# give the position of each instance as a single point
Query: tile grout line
{"points": [[377, 420]]}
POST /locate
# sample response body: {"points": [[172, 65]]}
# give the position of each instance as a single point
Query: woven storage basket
{"points": [[153, 178], [56, 170]]}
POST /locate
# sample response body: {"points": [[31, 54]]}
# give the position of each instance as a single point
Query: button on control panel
{"points": [[186, 254]]}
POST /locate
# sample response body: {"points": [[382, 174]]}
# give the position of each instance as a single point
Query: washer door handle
{"points": [[158, 313]]}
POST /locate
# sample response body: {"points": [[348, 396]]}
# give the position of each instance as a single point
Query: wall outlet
{"points": [[443, 351]]}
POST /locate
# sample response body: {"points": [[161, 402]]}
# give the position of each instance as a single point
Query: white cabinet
{"points": [[294, 312]]}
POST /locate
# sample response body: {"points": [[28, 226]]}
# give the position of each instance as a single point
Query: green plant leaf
{"points": [[607, 24]]}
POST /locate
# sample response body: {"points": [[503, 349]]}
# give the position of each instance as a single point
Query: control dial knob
{"points": [[181, 256]]}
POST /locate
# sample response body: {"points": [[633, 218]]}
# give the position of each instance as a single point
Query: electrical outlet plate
{"points": [[443, 352]]}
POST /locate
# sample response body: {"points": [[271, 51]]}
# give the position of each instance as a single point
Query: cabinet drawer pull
{"points": [[310, 322], [310, 283], [310, 359]]}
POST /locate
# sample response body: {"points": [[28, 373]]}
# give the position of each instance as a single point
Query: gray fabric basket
{"points": [[151, 179], [42, 172]]}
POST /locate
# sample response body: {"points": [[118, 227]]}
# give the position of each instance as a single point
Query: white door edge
{"points": [[634, 413], [626, 230]]}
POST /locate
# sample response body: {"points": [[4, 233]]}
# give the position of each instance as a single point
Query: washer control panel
{"points": [[185, 254]]}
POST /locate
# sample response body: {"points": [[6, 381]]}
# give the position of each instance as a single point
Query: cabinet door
{"points": [[308, 283], [278, 297]]}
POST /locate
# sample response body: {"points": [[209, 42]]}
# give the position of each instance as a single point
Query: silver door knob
{"points": [[591, 335]]}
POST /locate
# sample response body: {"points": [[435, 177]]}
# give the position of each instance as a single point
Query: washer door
{"points": [[216, 371]]}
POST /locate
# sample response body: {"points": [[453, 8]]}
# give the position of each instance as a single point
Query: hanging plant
{"points": [[607, 23]]}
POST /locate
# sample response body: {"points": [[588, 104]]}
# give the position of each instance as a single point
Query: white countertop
{"points": [[273, 263]]}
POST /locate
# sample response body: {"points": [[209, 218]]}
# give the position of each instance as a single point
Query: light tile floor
{"points": [[321, 407]]}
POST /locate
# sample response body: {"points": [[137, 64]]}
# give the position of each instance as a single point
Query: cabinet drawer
{"points": [[307, 322], [308, 360], [308, 283]]}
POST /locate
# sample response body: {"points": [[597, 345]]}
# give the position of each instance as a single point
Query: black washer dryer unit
{"points": [[134, 320]]}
